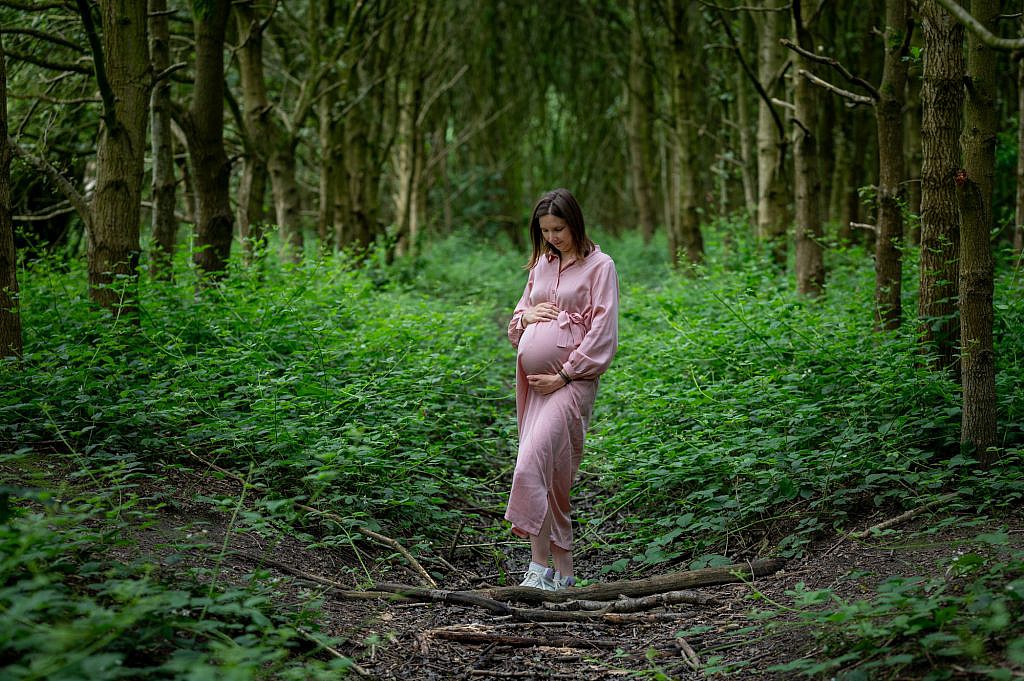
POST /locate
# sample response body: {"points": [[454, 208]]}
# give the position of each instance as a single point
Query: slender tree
{"points": [[772, 141], [203, 125], [165, 224], [977, 267], [941, 122], [638, 126], [810, 267], [124, 74], [685, 237], [891, 166], [1018, 231], [10, 318]]}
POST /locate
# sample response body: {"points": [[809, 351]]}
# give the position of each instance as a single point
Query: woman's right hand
{"points": [[541, 312]]}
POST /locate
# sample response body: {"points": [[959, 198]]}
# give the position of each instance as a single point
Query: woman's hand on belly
{"points": [[541, 312], [545, 384]]}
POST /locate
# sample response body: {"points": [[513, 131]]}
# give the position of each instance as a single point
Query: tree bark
{"points": [[252, 191], [687, 240], [839, 206], [941, 123], [204, 128], [165, 224], [126, 77], [271, 144], [977, 355], [772, 147], [891, 168], [638, 126], [912, 149], [10, 318], [810, 267], [743, 108], [1018, 232]]}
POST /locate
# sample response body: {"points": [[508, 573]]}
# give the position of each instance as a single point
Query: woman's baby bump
{"points": [[538, 349]]}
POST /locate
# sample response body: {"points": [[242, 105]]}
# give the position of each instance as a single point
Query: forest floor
{"points": [[406, 640]]}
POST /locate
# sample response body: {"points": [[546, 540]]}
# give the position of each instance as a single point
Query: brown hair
{"points": [[562, 204]]}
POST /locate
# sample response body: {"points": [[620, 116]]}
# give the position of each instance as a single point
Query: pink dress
{"points": [[582, 343]]}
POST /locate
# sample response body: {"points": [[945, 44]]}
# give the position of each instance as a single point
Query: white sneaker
{"points": [[537, 577], [558, 582]]}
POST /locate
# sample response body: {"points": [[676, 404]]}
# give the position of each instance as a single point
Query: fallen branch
{"points": [[466, 636], [615, 612], [903, 517], [688, 653], [674, 581], [337, 589], [636, 604], [442, 596], [378, 537]]}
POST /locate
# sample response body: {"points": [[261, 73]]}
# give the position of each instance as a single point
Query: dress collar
{"points": [[551, 256]]}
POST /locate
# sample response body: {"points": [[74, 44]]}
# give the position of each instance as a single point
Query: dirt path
{"points": [[407, 640]]}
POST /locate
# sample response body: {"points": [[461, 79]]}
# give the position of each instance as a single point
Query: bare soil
{"points": [[404, 640]]}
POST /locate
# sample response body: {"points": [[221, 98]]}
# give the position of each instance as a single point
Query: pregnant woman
{"points": [[565, 328]]}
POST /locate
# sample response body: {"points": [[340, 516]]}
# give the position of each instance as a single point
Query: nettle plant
{"points": [[964, 619]]}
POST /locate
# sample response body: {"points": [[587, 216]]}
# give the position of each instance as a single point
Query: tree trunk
{"points": [[638, 126], [891, 172], [1018, 232], [941, 123], [772, 145], [287, 199], [747, 141], [165, 224], [912, 150], [205, 134], [810, 267], [838, 205], [113, 245], [688, 239], [252, 191], [325, 208], [10, 318], [271, 144], [978, 140]]}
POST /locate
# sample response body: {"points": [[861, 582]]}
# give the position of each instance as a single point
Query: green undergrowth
{"points": [[964, 616], [80, 602], [737, 420]]}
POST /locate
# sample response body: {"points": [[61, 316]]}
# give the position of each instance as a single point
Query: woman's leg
{"points": [[541, 549], [540, 544], [563, 560]]}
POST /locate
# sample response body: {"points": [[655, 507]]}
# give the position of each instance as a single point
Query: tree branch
{"points": [[166, 73], [834, 63], [66, 188], [54, 100], [33, 5], [109, 111], [47, 64], [43, 35], [851, 96], [984, 35], [780, 127]]}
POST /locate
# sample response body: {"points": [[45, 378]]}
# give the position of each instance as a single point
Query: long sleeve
{"points": [[594, 355], [515, 328]]}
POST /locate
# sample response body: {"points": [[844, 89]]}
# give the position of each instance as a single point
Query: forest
{"points": [[258, 414]]}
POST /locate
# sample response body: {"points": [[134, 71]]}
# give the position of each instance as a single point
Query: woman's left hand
{"points": [[545, 384]]}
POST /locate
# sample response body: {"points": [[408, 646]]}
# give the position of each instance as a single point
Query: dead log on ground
{"points": [[634, 588], [637, 604], [903, 517]]}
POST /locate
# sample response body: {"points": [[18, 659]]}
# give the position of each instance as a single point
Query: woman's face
{"points": [[556, 232]]}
